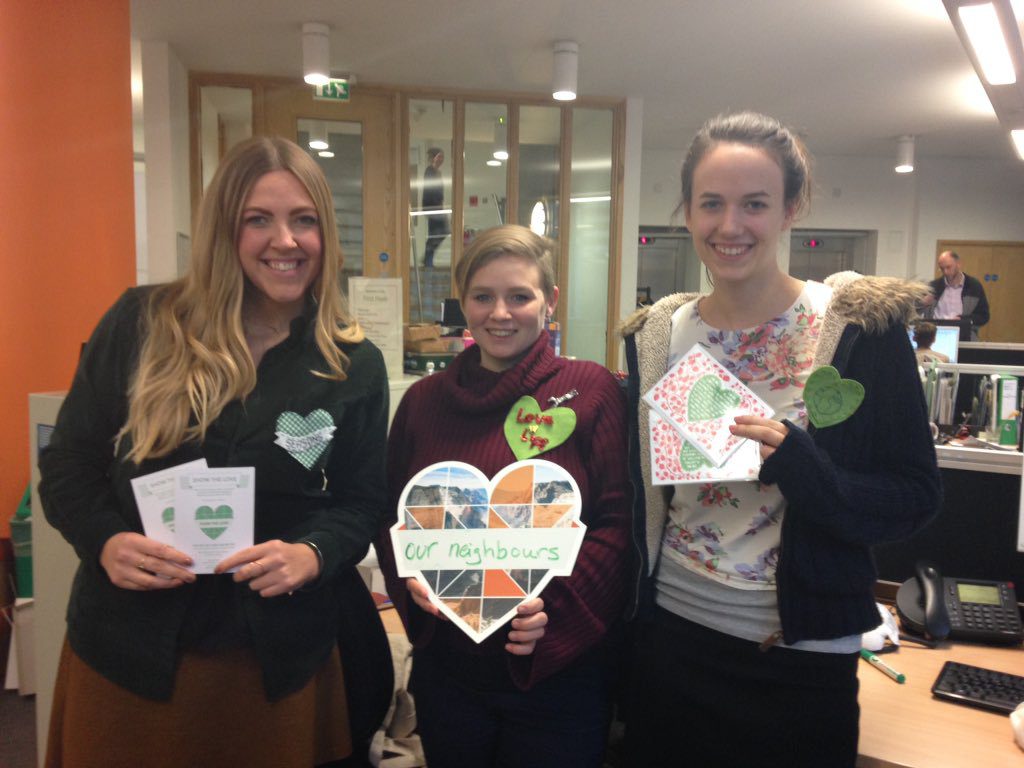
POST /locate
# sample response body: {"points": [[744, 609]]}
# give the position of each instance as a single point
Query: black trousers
{"points": [[560, 723], [700, 697]]}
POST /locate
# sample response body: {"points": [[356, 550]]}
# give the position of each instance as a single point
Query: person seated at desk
{"points": [[924, 337]]}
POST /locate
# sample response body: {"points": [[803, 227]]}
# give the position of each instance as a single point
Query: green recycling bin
{"points": [[21, 539]]}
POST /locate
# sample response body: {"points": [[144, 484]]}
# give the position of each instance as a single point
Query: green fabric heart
{"points": [[168, 518], [710, 399], [691, 459], [305, 437], [213, 522], [531, 431], [831, 399]]}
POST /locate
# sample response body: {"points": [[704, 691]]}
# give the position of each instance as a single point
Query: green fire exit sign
{"points": [[333, 90]]}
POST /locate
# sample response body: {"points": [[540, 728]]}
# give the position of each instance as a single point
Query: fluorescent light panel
{"points": [[986, 37], [1018, 141]]}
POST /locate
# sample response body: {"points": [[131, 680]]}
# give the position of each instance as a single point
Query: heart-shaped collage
{"points": [[482, 547]]}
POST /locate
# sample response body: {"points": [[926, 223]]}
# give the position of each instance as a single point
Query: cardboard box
{"points": [[425, 346], [420, 331]]}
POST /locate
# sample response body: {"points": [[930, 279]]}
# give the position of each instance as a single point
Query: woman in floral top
{"points": [[754, 592]]}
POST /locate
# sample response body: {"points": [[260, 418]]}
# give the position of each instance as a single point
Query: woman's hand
{"points": [[134, 561], [767, 432], [527, 628], [273, 567], [421, 597]]}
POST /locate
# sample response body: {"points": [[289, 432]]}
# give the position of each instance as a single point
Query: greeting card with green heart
{"points": [[154, 497], [213, 513], [700, 398], [481, 547], [675, 461]]}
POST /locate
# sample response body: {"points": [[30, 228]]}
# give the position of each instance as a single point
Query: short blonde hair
{"points": [[508, 240]]}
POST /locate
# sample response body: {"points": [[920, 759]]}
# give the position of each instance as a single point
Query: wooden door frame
{"points": [[388, 230]]}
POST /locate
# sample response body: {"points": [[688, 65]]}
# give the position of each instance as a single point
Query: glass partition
{"points": [[590, 221], [337, 147], [486, 154], [539, 166], [430, 207]]}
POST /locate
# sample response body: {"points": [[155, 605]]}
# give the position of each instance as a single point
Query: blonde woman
{"points": [[536, 693], [249, 360]]}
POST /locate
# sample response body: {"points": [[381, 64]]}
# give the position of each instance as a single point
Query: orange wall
{"points": [[66, 202]]}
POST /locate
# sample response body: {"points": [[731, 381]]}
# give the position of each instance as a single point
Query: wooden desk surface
{"points": [[905, 726]]}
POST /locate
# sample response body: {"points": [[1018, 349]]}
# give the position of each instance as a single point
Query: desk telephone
{"points": [[961, 609]]}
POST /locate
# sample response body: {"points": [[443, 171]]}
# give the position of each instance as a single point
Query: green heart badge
{"points": [[830, 399], [710, 399], [531, 431], [691, 459], [213, 522], [305, 437], [168, 518]]}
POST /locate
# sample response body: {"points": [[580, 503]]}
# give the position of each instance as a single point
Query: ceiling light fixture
{"points": [[494, 162], [1017, 134], [905, 154], [316, 53], [318, 135], [998, 58], [981, 23], [563, 84]]}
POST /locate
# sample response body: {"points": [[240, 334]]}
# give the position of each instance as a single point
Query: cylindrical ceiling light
{"points": [[316, 53], [500, 139], [905, 154], [318, 135], [563, 85]]}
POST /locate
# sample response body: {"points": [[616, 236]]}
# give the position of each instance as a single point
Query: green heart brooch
{"points": [[531, 431], [305, 437], [830, 399]]}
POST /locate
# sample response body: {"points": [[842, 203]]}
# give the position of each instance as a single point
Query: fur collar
{"points": [[874, 303]]}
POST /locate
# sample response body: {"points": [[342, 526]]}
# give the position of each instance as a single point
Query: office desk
{"points": [[905, 726]]}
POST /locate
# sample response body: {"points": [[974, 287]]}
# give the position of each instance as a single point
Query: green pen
{"points": [[881, 666]]}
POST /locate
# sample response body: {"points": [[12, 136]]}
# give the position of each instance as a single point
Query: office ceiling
{"points": [[852, 76]]}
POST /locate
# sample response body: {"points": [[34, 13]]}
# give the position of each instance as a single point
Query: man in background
{"points": [[957, 295], [438, 224]]}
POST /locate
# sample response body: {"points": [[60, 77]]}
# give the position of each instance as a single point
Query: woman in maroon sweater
{"points": [[538, 693]]}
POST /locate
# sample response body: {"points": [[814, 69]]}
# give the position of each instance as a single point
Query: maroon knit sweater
{"points": [[458, 415]]}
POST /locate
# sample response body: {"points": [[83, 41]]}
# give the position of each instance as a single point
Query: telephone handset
{"points": [[961, 609]]}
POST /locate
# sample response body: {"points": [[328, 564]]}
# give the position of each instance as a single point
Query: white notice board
{"points": [[376, 303]]}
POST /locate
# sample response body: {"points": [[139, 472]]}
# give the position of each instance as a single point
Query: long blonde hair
{"points": [[194, 359]]}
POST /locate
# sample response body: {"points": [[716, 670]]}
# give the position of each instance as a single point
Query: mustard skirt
{"points": [[218, 716]]}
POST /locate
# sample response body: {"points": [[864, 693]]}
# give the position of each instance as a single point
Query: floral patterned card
{"points": [[675, 461], [700, 398]]}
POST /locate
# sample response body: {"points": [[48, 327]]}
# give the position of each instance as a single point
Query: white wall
{"points": [[945, 198], [165, 123]]}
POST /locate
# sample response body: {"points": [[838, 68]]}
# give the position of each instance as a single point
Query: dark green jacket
{"points": [[133, 638]]}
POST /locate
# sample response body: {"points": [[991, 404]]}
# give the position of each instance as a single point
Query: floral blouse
{"points": [[729, 531]]}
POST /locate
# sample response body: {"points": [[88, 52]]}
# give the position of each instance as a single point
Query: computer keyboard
{"points": [[979, 687]]}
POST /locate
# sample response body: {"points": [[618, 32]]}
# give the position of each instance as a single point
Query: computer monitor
{"points": [[964, 326], [947, 340]]}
